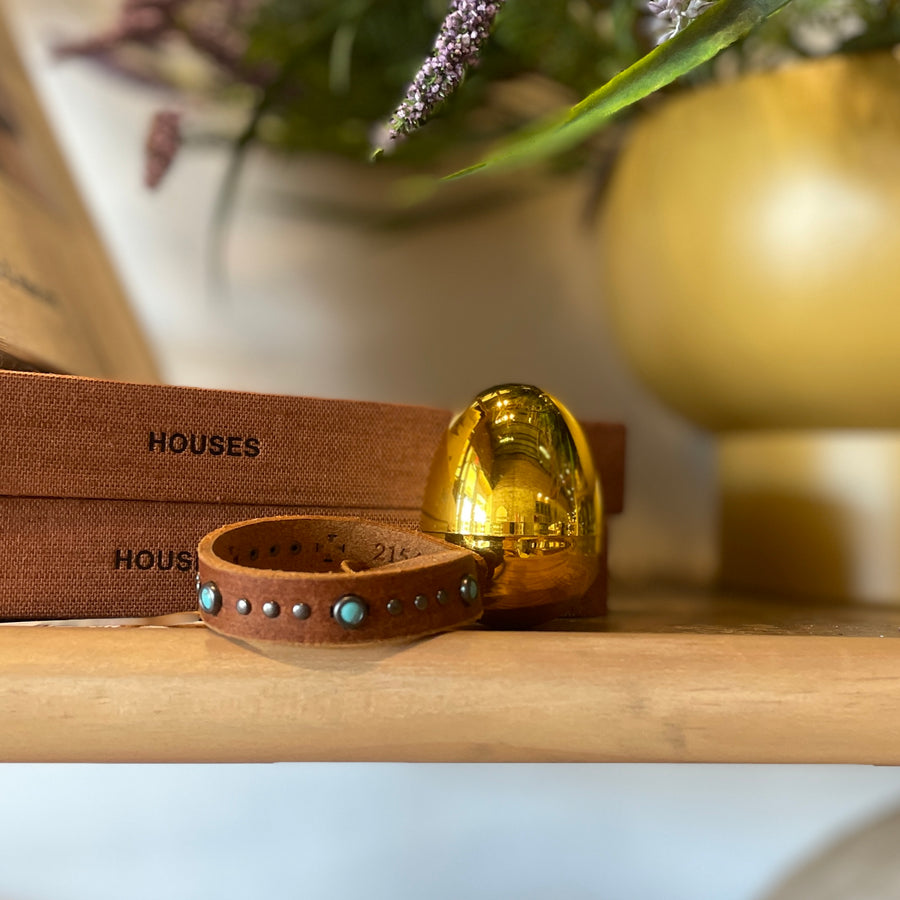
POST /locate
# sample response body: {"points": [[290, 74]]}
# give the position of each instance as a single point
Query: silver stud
{"points": [[210, 598], [442, 597], [271, 609], [243, 607], [301, 611], [421, 601], [395, 606], [468, 589]]}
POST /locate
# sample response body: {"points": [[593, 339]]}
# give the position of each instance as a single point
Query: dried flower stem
{"points": [[141, 21], [216, 29], [162, 145]]}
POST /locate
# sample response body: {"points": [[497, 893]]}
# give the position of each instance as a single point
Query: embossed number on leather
{"points": [[392, 553]]}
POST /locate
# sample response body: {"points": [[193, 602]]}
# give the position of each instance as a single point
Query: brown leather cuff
{"points": [[334, 581]]}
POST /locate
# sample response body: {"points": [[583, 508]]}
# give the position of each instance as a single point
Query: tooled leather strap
{"points": [[332, 581]]}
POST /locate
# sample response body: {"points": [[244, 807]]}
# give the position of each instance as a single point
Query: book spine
{"points": [[62, 436], [62, 308], [72, 558]]}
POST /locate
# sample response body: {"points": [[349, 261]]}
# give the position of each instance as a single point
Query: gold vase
{"points": [[751, 245]]}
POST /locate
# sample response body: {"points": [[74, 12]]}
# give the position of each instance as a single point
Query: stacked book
{"points": [[62, 308], [106, 487]]}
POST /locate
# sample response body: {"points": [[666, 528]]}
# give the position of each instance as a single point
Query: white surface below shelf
{"points": [[578, 832]]}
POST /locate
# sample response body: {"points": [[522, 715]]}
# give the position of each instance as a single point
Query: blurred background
{"points": [[310, 306]]}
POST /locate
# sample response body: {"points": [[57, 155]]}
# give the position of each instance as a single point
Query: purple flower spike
{"points": [[462, 35]]}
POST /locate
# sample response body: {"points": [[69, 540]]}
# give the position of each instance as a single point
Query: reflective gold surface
{"points": [[782, 334], [787, 317], [515, 481]]}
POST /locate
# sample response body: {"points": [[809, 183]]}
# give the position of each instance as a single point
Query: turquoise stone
{"points": [[468, 589], [210, 598], [350, 611]]}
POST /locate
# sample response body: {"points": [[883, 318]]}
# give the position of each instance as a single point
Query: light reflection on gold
{"points": [[515, 481]]}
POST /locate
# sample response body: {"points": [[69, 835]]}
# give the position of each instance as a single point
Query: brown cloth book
{"points": [[66, 558], [64, 436], [61, 305]]}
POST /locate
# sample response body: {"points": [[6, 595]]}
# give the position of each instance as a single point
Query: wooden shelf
{"points": [[669, 676]]}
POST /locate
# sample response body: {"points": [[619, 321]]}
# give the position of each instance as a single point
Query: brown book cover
{"points": [[63, 436], [65, 558], [62, 308]]}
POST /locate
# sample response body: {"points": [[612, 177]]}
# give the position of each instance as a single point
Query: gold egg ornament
{"points": [[514, 481]]}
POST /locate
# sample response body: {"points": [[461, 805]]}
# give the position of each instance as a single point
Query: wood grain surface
{"points": [[638, 695]]}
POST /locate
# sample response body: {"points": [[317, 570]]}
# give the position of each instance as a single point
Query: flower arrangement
{"points": [[322, 75]]}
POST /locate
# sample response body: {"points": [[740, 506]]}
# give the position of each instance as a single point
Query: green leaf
{"points": [[711, 32]]}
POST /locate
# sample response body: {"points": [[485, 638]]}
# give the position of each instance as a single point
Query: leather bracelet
{"points": [[334, 581]]}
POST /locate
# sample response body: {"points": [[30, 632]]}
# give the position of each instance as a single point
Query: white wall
{"points": [[404, 832]]}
